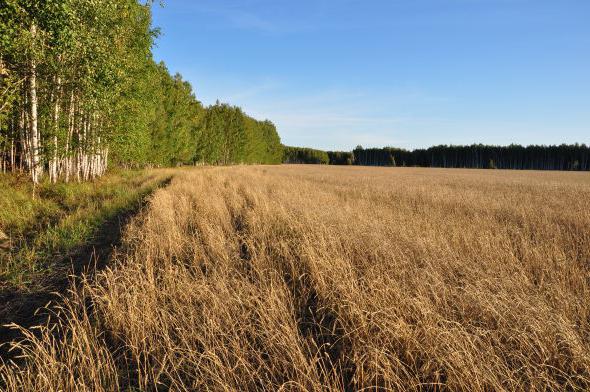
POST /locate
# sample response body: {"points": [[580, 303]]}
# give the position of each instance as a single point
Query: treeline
{"points": [[228, 136], [305, 155], [341, 157], [562, 157], [79, 89]]}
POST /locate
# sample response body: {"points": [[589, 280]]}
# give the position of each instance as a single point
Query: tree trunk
{"points": [[54, 160], [25, 162], [12, 154], [34, 131], [67, 152]]}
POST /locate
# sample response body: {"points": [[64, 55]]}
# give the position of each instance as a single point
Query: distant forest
{"points": [[305, 155], [79, 89], [562, 157]]}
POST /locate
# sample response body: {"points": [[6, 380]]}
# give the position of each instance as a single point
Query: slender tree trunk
{"points": [[80, 140], [67, 152], [54, 160], [84, 150], [24, 134], [12, 154], [105, 163], [34, 131], [4, 158]]}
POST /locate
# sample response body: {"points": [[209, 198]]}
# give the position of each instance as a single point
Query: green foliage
{"points": [[175, 125], [562, 157], [305, 155], [375, 156], [99, 93], [228, 136], [341, 157]]}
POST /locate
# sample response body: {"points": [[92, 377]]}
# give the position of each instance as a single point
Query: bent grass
{"points": [[325, 278]]}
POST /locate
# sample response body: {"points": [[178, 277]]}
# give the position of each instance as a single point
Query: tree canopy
{"points": [[305, 155], [480, 156], [79, 88]]}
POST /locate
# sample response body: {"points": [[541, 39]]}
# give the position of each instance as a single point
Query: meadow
{"points": [[315, 278]]}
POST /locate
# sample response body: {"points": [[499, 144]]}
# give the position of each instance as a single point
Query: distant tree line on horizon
{"points": [[79, 89], [298, 155], [533, 157]]}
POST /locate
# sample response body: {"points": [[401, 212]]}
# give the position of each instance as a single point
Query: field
{"points": [[51, 231], [317, 278], [54, 220]]}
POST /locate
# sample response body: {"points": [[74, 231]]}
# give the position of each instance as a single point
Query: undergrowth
{"points": [[48, 222]]}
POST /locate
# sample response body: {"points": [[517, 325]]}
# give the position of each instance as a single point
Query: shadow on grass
{"points": [[28, 308]]}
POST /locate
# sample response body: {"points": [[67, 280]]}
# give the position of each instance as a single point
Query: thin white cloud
{"points": [[341, 119], [253, 91], [253, 15]]}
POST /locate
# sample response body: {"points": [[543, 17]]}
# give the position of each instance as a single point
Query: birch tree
{"points": [[79, 89]]}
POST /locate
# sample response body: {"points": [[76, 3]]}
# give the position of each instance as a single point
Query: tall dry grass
{"points": [[324, 278]]}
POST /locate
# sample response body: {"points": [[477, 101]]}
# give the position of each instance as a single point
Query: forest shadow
{"points": [[36, 306]]}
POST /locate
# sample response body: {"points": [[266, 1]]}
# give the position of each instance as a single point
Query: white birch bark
{"points": [[54, 160], [67, 152], [12, 154], [25, 162], [34, 130]]}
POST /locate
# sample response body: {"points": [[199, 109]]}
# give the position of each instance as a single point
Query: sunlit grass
{"points": [[327, 279], [48, 222]]}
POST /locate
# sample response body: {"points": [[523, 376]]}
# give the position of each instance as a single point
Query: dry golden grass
{"points": [[330, 278]]}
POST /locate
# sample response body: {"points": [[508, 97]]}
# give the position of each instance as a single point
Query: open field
{"points": [[335, 278]]}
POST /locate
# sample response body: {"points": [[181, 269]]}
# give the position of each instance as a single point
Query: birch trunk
{"points": [[34, 131], [24, 136], [54, 161], [105, 159], [79, 138], [67, 152], [12, 154], [88, 149], [4, 158]]}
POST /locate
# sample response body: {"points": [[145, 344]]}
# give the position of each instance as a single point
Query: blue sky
{"points": [[333, 74]]}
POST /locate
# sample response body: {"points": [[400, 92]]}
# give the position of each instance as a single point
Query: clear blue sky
{"points": [[333, 74]]}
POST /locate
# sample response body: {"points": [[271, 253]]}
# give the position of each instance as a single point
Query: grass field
{"points": [[331, 278], [49, 222], [54, 232]]}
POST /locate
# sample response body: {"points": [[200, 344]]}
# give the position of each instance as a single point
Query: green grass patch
{"points": [[61, 218]]}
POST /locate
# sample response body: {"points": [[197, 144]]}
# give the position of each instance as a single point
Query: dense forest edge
{"points": [[478, 156], [80, 91]]}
